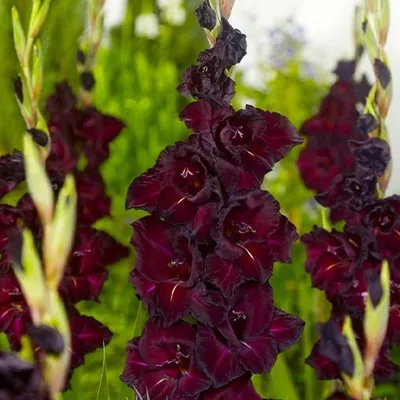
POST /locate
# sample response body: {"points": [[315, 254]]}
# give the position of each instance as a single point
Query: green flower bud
{"points": [[19, 36], [39, 19], [38, 182], [60, 233], [376, 316], [29, 271]]}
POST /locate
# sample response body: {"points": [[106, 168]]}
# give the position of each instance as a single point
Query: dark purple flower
{"points": [[162, 363], [245, 342], [238, 389], [382, 221], [349, 193], [339, 396], [167, 275], [250, 236], [11, 172], [372, 155], [178, 184], [96, 130], [332, 258], [85, 272]]}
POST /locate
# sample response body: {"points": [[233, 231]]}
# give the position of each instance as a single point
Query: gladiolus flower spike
{"points": [[208, 248]]}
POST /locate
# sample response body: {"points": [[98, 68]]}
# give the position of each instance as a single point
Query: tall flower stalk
{"points": [[205, 254], [39, 282], [356, 267]]}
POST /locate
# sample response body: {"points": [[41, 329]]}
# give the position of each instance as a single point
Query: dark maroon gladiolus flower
{"points": [[167, 275], [251, 236], [349, 193], [207, 251], [178, 184], [248, 340], [85, 272], [163, 362]]}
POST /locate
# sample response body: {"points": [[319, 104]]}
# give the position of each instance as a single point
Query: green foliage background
{"points": [[136, 79]]}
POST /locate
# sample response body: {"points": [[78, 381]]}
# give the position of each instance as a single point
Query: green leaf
{"points": [[103, 392]]}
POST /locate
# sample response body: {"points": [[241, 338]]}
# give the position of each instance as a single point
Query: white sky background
{"points": [[328, 29]]}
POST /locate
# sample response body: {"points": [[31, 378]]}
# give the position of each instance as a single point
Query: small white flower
{"points": [[174, 15], [146, 25]]}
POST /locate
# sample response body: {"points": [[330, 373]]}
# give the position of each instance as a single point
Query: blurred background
{"points": [[292, 47]]}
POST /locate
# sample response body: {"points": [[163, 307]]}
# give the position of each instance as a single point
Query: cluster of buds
{"points": [[205, 254], [347, 264], [38, 298]]}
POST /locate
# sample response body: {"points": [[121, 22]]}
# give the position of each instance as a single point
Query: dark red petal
{"points": [[324, 367], [173, 301], [193, 382], [256, 302], [144, 192], [146, 291], [207, 306], [175, 207], [223, 274], [134, 364], [281, 241], [201, 115], [258, 354], [256, 262], [286, 328], [156, 385], [90, 332], [215, 358], [152, 239], [88, 287], [280, 135], [239, 389], [235, 179]]}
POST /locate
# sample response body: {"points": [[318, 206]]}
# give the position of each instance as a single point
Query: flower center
{"points": [[181, 268], [182, 360], [239, 231], [238, 321], [383, 220], [191, 178]]}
